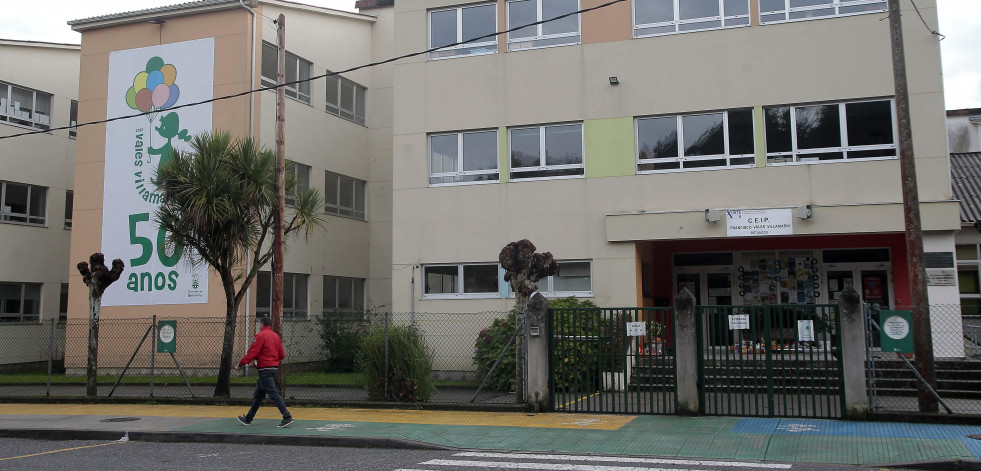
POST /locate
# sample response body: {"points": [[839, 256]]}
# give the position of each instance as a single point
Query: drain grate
{"points": [[121, 419]]}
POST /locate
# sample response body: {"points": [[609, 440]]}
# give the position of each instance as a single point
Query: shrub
{"points": [[410, 365], [340, 339]]}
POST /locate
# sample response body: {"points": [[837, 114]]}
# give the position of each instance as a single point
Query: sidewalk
{"points": [[758, 439]]}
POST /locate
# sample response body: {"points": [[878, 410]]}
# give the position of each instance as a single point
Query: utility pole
{"points": [[923, 335], [277, 268]]}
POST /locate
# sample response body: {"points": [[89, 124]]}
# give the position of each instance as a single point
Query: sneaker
{"points": [[242, 420], [285, 423]]}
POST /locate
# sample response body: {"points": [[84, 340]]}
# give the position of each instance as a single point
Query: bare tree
{"points": [[524, 268], [97, 276]]}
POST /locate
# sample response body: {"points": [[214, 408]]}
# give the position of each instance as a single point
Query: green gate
{"points": [[770, 361], [612, 360]]}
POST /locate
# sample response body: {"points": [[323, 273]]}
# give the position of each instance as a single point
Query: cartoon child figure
{"points": [[169, 128]]}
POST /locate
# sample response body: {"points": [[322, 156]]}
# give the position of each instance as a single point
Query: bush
{"points": [[410, 365], [340, 339]]}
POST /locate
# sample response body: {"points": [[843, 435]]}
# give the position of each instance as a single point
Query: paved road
{"points": [[31, 455]]}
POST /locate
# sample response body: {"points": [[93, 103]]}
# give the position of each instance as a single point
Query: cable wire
{"points": [[317, 77], [932, 31]]}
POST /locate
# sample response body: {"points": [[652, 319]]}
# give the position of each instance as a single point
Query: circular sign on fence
{"points": [[896, 327], [166, 334]]}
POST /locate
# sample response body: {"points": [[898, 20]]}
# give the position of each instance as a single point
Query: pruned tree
{"points": [[523, 269], [97, 276], [219, 199]]}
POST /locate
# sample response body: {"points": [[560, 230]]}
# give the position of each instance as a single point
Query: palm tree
{"points": [[219, 199]]}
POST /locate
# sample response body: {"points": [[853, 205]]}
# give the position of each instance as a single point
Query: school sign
{"points": [[151, 80]]}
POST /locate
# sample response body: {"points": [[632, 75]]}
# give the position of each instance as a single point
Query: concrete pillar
{"points": [[536, 317], [686, 351], [852, 334]]}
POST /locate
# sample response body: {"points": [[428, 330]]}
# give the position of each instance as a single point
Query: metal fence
{"points": [[49, 359], [892, 382]]}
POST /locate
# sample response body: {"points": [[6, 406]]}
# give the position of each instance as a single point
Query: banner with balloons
{"points": [[146, 80]]}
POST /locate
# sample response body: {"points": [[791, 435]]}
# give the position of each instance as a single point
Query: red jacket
{"points": [[267, 350]]}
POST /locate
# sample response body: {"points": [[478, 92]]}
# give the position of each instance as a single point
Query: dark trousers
{"points": [[266, 385]]}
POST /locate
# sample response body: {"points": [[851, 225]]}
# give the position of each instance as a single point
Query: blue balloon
{"points": [[155, 78], [174, 93]]}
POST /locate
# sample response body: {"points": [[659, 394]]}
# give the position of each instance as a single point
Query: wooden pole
{"points": [[923, 335], [277, 297]]}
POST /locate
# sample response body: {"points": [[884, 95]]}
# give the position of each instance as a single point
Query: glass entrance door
{"points": [[710, 288]]}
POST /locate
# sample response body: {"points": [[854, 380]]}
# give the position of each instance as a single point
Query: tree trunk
{"points": [[91, 368], [222, 387], [520, 305]]}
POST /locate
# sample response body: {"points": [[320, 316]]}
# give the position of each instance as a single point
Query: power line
{"points": [[925, 25], [328, 74]]}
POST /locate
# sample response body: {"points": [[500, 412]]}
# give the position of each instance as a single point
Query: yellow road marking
{"points": [[580, 399], [428, 417], [59, 451]]}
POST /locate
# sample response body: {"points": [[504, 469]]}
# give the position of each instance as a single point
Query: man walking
{"points": [[267, 351]]}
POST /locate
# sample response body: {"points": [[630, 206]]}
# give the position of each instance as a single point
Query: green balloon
{"points": [[131, 98], [155, 63]]}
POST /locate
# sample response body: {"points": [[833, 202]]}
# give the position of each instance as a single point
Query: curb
{"points": [[951, 465], [244, 439]]}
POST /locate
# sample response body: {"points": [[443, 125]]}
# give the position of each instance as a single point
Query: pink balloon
{"points": [[144, 100], [160, 95]]}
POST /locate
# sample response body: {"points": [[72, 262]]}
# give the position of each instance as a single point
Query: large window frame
{"points": [[26, 107], [484, 46], [336, 288], [23, 303], [686, 156], [297, 68], [453, 281], [781, 11], [540, 37], [340, 90], [301, 172], [69, 206], [847, 148], [458, 173], [295, 295], [35, 205], [553, 286], [730, 14], [335, 203], [73, 120], [544, 170]]}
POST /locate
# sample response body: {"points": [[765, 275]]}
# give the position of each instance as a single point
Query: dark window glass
{"points": [[855, 255], [777, 122], [704, 134], [691, 9], [269, 62], [869, 123], [563, 145], [702, 259], [442, 28], [555, 8], [741, 132], [525, 148], [818, 127], [522, 13], [653, 11], [441, 279], [658, 138], [479, 21], [480, 278], [479, 150]]}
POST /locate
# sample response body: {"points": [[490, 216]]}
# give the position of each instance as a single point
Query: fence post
{"points": [[686, 353], [852, 333], [51, 336], [536, 373]]}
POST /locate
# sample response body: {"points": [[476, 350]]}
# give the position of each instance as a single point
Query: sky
{"points": [[960, 23]]}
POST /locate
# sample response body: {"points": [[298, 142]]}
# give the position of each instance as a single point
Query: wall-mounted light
{"points": [[614, 81], [713, 215]]}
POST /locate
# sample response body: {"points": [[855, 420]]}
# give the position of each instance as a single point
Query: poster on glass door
{"points": [[151, 81]]}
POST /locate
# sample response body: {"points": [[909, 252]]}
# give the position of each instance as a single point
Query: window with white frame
{"points": [[775, 11], [63, 302], [575, 278], [345, 98], [463, 157], [344, 196], [830, 132], [73, 120], [20, 202], [301, 173], [656, 17], [69, 205], [297, 68], [20, 302], [549, 151], [557, 32], [461, 24], [695, 141], [343, 294], [25, 106], [464, 280], [294, 295]]}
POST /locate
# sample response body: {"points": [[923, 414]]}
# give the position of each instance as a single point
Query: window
{"points": [[654, 17], [24, 106], [343, 294], [552, 33], [73, 119], [344, 196], [302, 174], [574, 279], [837, 131], [773, 11], [69, 204], [345, 98], [463, 157], [546, 151], [456, 25], [24, 203], [297, 68], [477, 280], [697, 141], [20, 302], [969, 279], [294, 295], [63, 303]]}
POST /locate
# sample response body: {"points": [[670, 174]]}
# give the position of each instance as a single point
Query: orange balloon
{"points": [[170, 74]]}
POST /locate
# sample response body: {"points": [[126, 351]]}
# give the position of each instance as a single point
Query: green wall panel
{"points": [[609, 147]]}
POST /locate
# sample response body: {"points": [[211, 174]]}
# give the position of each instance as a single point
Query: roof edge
{"points": [[171, 11], [319, 9], [27, 43]]}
